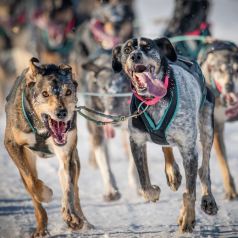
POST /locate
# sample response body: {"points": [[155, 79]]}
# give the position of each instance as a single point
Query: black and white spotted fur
{"points": [[130, 59]]}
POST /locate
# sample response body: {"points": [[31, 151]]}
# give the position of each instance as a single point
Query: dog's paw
{"points": [[72, 220], [87, 226], [186, 220], [208, 205], [151, 194], [173, 176], [42, 192], [230, 188], [112, 196], [40, 233], [231, 195]]}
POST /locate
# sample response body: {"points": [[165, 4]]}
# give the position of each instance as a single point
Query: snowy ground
{"points": [[130, 216]]}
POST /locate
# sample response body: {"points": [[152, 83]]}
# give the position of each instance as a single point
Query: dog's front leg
{"points": [[38, 191], [172, 172], [68, 171], [76, 172], [150, 192], [220, 150], [187, 214]]}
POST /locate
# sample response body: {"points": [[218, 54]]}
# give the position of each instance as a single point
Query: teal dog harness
{"points": [[157, 130]]}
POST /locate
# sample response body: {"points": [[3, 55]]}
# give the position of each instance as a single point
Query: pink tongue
{"points": [[99, 33], [154, 86], [109, 131]]}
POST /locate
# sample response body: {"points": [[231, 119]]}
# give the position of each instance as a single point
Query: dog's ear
{"points": [[34, 69], [167, 48], [90, 66], [66, 68], [35, 66], [116, 59]]}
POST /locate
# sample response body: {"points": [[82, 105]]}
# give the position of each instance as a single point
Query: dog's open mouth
{"points": [[57, 129], [145, 81], [108, 41]]}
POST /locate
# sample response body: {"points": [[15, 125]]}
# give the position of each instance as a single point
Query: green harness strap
{"points": [[25, 113]]}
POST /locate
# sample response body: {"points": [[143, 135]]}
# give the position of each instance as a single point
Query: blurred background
{"points": [[81, 31]]}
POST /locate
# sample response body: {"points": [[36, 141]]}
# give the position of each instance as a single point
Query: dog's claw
{"points": [[208, 205], [152, 193], [72, 220]]}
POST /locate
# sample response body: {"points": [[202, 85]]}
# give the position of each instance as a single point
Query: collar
{"points": [[203, 26], [154, 100]]}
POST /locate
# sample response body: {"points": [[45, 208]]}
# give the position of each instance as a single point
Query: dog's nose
{"points": [[61, 113], [136, 57]]}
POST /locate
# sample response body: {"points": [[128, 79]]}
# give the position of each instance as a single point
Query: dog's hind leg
{"points": [[149, 192], [172, 172], [190, 162], [38, 191], [100, 149], [220, 150], [40, 214], [208, 203]]}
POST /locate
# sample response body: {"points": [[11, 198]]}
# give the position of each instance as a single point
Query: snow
{"points": [[130, 216]]}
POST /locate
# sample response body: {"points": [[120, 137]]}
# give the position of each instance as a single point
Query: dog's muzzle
{"points": [[57, 129], [145, 81]]}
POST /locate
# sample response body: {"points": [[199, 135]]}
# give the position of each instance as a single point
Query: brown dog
{"points": [[41, 120]]}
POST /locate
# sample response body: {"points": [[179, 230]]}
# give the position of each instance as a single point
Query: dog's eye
{"points": [[68, 92], [45, 94], [148, 47], [127, 50]]}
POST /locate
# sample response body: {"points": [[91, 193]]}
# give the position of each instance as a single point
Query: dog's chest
{"points": [[40, 147]]}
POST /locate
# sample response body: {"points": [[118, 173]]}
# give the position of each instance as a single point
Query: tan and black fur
{"points": [[41, 121], [221, 66]]}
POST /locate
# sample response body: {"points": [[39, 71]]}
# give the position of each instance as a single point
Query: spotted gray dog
{"points": [[176, 105], [101, 80], [219, 63]]}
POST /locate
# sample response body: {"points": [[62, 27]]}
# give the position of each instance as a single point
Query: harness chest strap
{"points": [[157, 130]]}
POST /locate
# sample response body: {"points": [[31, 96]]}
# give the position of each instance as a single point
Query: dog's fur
{"points": [[222, 67], [187, 16], [116, 21], [101, 79], [47, 95], [134, 58]]}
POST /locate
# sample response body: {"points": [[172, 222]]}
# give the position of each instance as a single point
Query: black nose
{"points": [[61, 113], [136, 57]]}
